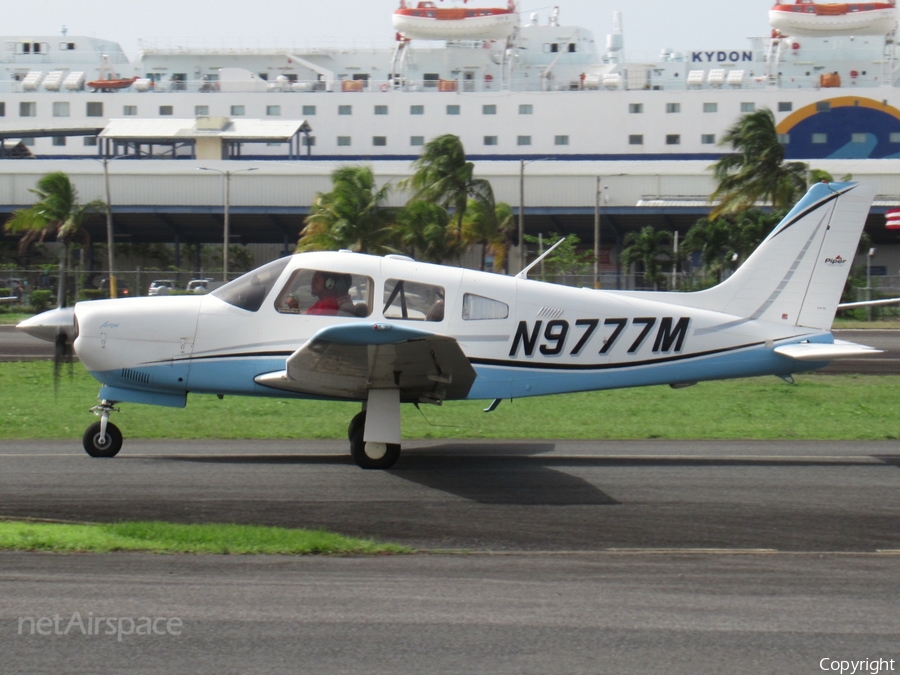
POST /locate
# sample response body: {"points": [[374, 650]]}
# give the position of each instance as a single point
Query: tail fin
{"points": [[798, 272]]}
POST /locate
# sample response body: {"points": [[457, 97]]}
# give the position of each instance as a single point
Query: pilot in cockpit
{"points": [[332, 293]]}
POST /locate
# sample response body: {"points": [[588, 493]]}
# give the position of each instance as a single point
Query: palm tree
{"points": [[442, 175], [756, 171], [424, 230], [58, 212], [647, 246], [351, 216], [492, 227]]}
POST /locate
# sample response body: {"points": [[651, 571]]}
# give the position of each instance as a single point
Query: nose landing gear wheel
{"points": [[372, 455], [96, 446]]}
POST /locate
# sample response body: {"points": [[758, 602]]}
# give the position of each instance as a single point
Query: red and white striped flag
{"points": [[893, 219]]}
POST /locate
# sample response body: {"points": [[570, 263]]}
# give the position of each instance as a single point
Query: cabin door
{"points": [[469, 81]]}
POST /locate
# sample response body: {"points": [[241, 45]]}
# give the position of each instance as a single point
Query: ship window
{"points": [[489, 109], [90, 141], [273, 110], [571, 47], [129, 110], [453, 110], [673, 107], [166, 110], [379, 141], [201, 110], [417, 140], [413, 301], [345, 110], [237, 110], [95, 109], [29, 141], [59, 140], [417, 110], [430, 80], [785, 106], [2, 109], [343, 140], [895, 137], [308, 141], [708, 139], [823, 106], [636, 108], [27, 109], [381, 110], [490, 140], [523, 140], [710, 107], [820, 139], [673, 139], [747, 107], [560, 140], [859, 138], [784, 139], [60, 108], [526, 109], [636, 139], [479, 308], [309, 110], [554, 47]]}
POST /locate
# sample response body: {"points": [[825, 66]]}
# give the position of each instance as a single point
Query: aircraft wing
{"points": [[840, 349], [345, 361]]}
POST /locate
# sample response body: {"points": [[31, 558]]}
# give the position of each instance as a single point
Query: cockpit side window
{"points": [[250, 290], [479, 308], [413, 301], [327, 293]]}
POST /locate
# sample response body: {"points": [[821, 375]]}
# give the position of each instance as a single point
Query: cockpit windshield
{"points": [[249, 291]]}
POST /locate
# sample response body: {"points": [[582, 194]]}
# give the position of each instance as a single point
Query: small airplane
{"points": [[390, 330]]}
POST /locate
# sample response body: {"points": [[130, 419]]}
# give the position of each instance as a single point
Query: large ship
{"points": [[511, 86]]}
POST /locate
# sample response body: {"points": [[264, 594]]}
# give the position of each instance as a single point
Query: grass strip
{"points": [[161, 537]]}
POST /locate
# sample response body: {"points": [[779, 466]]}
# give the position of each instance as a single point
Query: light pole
{"points": [[598, 189], [869, 283], [110, 245], [227, 204]]}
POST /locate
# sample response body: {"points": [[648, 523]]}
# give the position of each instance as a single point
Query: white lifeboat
{"points": [[808, 18], [426, 21]]}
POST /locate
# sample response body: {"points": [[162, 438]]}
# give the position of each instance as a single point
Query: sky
{"points": [[650, 25]]}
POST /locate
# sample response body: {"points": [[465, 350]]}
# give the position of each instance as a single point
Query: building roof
{"points": [[171, 128]]}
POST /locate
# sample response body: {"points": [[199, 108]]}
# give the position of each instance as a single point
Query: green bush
{"points": [[40, 300], [5, 292], [93, 294]]}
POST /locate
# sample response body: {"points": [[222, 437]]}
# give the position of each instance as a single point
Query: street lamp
{"points": [[599, 188], [522, 164], [110, 250], [869, 283], [227, 235]]}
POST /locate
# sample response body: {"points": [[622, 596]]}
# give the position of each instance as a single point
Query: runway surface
{"points": [[584, 557], [17, 346]]}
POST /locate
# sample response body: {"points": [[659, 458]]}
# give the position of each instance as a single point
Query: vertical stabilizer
{"points": [[798, 272]]}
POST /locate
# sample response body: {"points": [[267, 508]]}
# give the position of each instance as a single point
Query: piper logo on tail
{"points": [[837, 260]]}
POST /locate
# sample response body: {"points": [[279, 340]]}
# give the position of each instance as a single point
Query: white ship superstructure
{"points": [[545, 90]]}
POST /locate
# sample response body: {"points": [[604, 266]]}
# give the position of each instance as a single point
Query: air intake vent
{"points": [[135, 376], [550, 313]]}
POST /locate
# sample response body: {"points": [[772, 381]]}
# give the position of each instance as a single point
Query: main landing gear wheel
{"points": [[97, 446], [372, 455], [358, 421]]}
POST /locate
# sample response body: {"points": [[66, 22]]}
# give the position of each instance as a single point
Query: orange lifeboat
{"points": [[427, 21], [110, 85], [809, 18]]}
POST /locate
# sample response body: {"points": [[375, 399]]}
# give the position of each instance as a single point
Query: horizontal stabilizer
{"points": [[346, 361], [815, 351]]}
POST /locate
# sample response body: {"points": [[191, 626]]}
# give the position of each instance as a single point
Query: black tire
{"points": [[95, 448], [358, 421], [363, 461]]}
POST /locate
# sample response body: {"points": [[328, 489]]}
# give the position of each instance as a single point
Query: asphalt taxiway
{"points": [[580, 557]]}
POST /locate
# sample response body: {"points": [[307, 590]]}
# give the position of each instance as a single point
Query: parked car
{"points": [[198, 286], [121, 289], [161, 287]]}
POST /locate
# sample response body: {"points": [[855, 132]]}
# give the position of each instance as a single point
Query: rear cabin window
{"points": [[326, 293], [250, 290], [479, 308], [413, 301]]}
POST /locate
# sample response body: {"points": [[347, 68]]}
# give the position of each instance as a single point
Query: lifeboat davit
{"points": [[427, 21], [808, 18]]}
